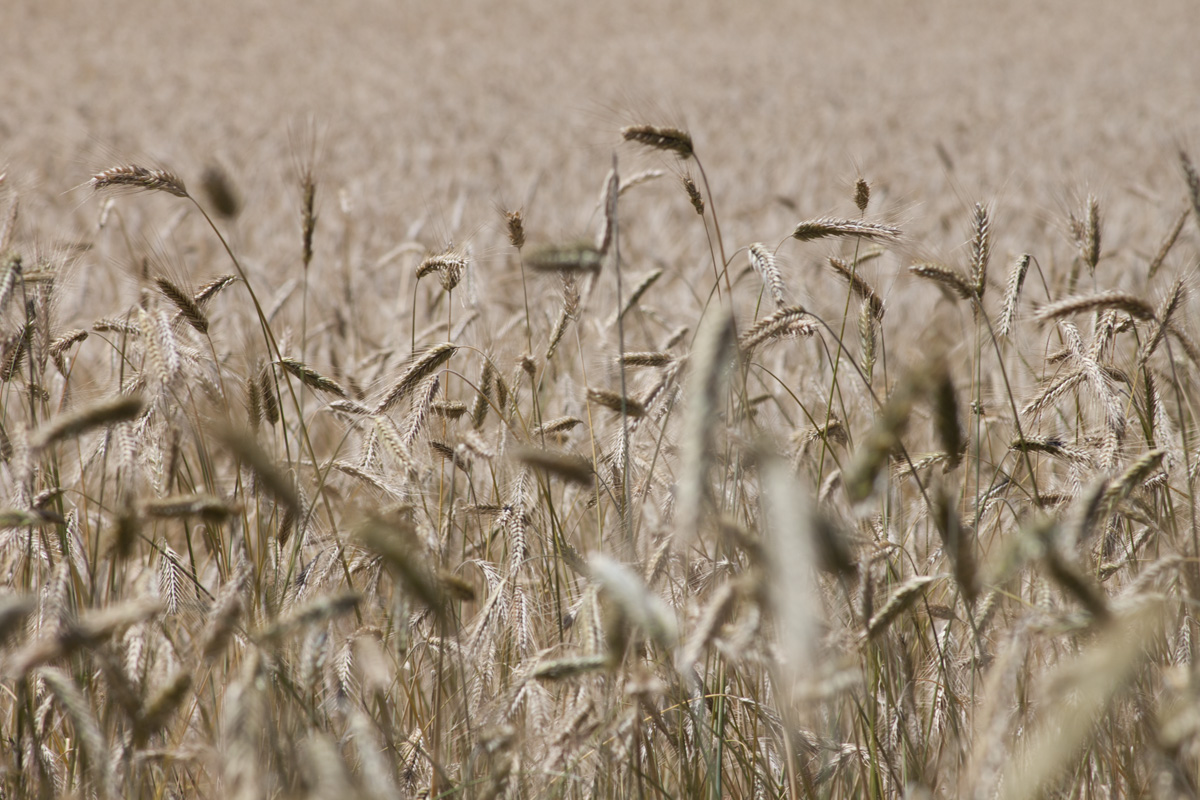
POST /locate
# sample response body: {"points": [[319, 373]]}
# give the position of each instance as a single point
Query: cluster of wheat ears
{"points": [[601, 545]]}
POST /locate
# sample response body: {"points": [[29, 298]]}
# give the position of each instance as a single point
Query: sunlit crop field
{"points": [[606, 400]]}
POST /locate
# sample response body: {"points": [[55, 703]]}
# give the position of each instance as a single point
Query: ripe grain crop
{"points": [[582, 519]]}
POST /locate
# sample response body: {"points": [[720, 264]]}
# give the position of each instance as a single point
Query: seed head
{"points": [[660, 138], [135, 177]]}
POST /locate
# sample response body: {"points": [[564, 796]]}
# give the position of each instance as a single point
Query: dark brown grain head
{"points": [[515, 223], [862, 194], [672, 140], [219, 191], [693, 194]]}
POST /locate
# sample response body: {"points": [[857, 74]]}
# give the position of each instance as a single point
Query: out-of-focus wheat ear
{"points": [[161, 706], [10, 273], [992, 719], [763, 262], [716, 613], [608, 202], [946, 417], [1193, 182], [866, 339], [981, 248], [901, 600], [211, 509], [634, 602], [693, 193], [127, 530], [945, 276], [308, 212], [1012, 294], [398, 543], [14, 608], [1167, 243], [188, 308], [87, 728], [869, 461], [1163, 316], [565, 466], [1117, 301], [418, 370], [615, 401], [311, 378], [958, 543], [95, 415], [218, 190], [715, 350], [314, 613], [650, 359], [672, 140], [858, 285], [575, 258], [862, 194], [1089, 234], [10, 224], [246, 449], [244, 719], [824, 227], [514, 222], [225, 616], [376, 771], [1051, 744], [562, 669], [639, 178]]}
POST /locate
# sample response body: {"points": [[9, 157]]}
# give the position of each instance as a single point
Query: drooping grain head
{"points": [[138, 178], [672, 140]]}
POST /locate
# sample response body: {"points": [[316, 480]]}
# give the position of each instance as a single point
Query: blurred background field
{"points": [[419, 102]]}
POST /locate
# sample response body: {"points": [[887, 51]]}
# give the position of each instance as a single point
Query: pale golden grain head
{"points": [[137, 178]]}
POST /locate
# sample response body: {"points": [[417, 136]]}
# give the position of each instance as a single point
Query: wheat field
{"points": [[609, 400]]}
